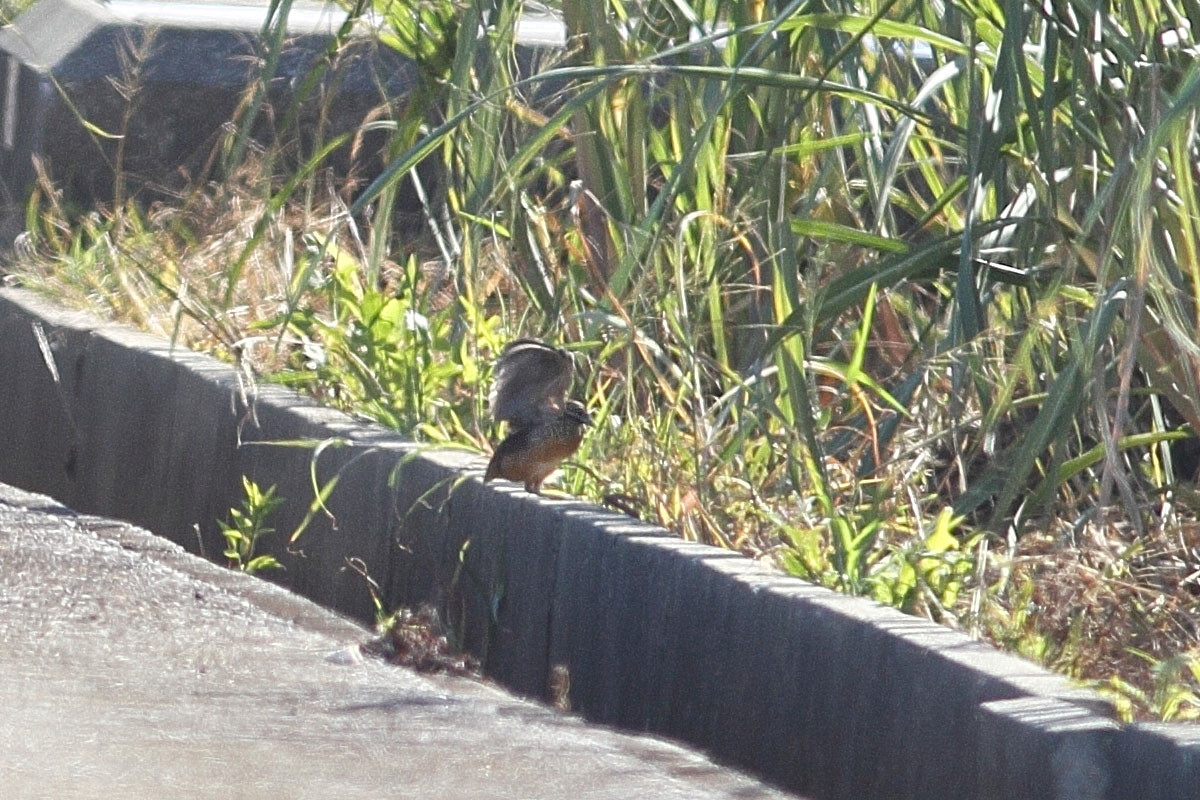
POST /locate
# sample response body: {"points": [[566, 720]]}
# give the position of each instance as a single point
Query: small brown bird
{"points": [[529, 392]]}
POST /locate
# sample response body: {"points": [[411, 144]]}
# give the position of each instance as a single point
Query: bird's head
{"points": [[576, 412]]}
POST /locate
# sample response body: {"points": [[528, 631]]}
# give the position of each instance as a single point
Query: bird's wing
{"points": [[530, 382]]}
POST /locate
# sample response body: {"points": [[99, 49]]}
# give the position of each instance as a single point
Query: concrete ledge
{"points": [[831, 696], [1158, 762], [1042, 749]]}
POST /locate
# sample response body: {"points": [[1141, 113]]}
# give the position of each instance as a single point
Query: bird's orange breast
{"points": [[530, 456]]}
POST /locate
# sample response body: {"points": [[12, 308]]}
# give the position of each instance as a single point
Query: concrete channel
{"points": [[829, 696], [132, 669]]}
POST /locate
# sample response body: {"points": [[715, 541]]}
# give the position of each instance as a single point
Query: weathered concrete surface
{"points": [[1044, 749], [831, 696], [1158, 762], [133, 669], [1040, 749]]}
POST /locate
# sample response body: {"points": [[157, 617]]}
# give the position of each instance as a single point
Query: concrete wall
{"points": [[836, 697], [67, 60]]}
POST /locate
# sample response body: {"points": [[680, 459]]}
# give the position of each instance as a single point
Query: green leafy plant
{"points": [[247, 526], [1174, 696]]}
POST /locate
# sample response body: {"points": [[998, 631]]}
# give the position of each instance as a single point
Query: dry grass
{"points": [[416, 638]]}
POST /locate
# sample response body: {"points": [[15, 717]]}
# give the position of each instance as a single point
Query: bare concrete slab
{"points": [[129, 668]]}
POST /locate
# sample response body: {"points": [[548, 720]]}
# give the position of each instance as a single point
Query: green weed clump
{"points": [[901, 295], [247, 526]]}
